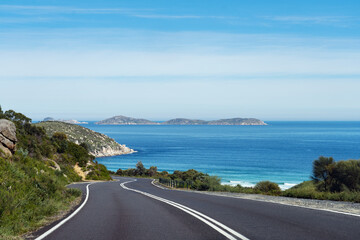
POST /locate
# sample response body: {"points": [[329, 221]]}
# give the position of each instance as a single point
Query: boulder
{"points": [[7, 136], [4, 150]]}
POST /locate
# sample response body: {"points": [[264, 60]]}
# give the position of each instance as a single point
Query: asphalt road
{"points": [[138, 210]]}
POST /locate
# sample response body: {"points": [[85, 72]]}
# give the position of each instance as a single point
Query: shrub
{"points": [[322, 170], [346, 176], [336, 176], [99, 172], [267, 187]]}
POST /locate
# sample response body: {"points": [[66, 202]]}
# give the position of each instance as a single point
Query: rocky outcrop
{"points": [[107, 151], [72, 121], [7, 136]]}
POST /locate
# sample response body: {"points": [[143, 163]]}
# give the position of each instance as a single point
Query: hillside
{"points": [[99, 145], [34, 171], [122, 120]]}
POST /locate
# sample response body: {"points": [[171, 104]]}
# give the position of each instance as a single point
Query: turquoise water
{"points": [[281, 152]]}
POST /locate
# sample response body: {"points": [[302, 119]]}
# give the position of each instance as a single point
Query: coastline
{"points": [[110, 152]]}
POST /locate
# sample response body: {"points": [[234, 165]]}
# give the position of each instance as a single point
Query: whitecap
{"points": [[242, 183]]}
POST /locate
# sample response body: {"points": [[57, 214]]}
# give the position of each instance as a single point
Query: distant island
{"points": [[122, 120], [71, 121]]}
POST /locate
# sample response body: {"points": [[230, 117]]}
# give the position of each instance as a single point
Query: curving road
{"points": [[135, 209]]}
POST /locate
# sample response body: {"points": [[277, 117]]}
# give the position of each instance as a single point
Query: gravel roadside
{"points": [[334, 206]]}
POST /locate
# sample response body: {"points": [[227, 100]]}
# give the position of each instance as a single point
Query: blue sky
{"points": [[89, 60]]}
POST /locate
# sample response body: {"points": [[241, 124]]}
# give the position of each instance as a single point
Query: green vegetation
{"points": [[309, 190], [338, 181], [97, 172], [267, 187], [192, 179], [29, 192], [33, 180], [93, 142]]}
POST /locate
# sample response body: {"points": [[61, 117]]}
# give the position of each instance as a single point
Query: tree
{"points": [[346, 176], [140, 169], [1, 113], [152, 171], [18, 118], [119, 172], [60, 141], [322, 170], [85, 146]]}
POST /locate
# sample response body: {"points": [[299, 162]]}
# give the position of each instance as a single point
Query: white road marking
{"points": [[48, 232], [281, 203], [207, 220], [161, 187]]}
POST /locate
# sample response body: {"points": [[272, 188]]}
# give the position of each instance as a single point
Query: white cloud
{"points": [[160, 16], [325, 20], [96, 99], [28, 9], [138, 13], [119, 52], [68, 63]]}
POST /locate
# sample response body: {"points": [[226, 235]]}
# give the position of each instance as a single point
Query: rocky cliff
{"points": [[99, 145], [7, 136], [72, 121]]}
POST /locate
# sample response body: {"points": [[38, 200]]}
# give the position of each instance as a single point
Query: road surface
{"points": [[136, 209]]}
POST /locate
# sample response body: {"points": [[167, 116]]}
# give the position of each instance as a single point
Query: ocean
{"points": [[281, 152]]}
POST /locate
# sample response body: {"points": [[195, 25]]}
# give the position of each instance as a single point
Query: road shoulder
{"points": [[326, 205]]}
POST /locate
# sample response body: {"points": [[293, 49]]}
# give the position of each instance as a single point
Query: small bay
{"points": [[282, 152]]}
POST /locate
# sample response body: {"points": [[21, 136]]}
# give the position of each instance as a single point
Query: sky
{"points": [[162, 59]]}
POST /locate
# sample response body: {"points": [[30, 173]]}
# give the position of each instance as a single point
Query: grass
{"points": [[308, 190], [30, 191]]}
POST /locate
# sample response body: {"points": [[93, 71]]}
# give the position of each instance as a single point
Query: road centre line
{"points": [[48, 232], [207, 220]]}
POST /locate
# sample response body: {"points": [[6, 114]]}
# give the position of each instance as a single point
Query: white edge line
{"points": [[192, 212], [161, 187], [259, 200], [210, 219], [286, 204], [48, 232]]}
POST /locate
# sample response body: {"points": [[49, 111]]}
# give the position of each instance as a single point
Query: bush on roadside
{"points": [[267, 187], [308, 189], [342, 176]]}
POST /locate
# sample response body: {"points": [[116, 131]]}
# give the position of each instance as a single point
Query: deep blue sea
{"points": [[282, 152]]}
